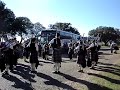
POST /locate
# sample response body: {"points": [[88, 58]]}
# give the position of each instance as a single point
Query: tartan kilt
{"points": [[57, 56], [116, 48], [94, 56], [81, 60], [34, 57], [8, 56]]}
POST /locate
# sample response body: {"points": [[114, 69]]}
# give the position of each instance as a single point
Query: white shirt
{"points": [[77, 48], [92, 45], [112, 45], [36, 45], [52, 41]]}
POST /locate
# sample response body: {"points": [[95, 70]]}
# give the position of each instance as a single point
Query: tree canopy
{"points": [[21, 24], [106, 33], [37, 27], [6, 18], [64, 26]]}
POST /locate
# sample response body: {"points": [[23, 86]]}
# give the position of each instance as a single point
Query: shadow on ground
{"points": [[101, 53], [54, 82], [18, 83], [91, 86], [105, 49], [106, 78], [46, 61], [110, 68], [23, 71]]}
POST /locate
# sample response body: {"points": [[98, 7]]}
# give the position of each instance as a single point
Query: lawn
{"points": [[109, 77]]}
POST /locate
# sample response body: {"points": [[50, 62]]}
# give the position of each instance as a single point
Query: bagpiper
{"points": [[93, 53], [57, 58], [33, 54], [71, 50], [81, 52]]}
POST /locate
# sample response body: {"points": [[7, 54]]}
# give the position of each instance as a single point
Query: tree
{"points": [[21, 25], [106, 33], [37, 28], [64, 26], [7, 17]]}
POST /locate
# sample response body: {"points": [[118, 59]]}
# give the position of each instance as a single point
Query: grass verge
{"points": [[109, 77]]}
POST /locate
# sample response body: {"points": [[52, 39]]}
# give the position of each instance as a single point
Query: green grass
{"points": [[109, 79]]}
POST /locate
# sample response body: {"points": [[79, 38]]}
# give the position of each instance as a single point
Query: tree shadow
{"points": [[18, 83], [47, 62], [105, 49], [24, 71], [99, 53], [91, 86], [109, 64], [106, 53], [27, 61], [107, 78], [108, 69], [54, 82]]}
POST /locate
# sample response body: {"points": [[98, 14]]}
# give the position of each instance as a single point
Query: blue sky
{"points": [[82, 14]]}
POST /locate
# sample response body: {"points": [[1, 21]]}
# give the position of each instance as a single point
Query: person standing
{"points": [[94, 53], [81, 52], [70, 51], [88, 54], [57, 58], [40, 49], [26, 52], [8, 56], [46, 51], [34, 55], [114, 47]]}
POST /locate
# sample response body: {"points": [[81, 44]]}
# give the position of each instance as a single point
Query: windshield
{"points": [[47, 35]]}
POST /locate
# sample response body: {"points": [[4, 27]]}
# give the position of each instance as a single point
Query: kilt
{"points": [[26, 52], [2, 63], [34, 57], [94, 56], [81, 60], [57, 56], [98, 48], [8, 56], [116, 48]]}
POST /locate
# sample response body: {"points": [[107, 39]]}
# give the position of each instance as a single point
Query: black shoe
{"points": [[5, 73], [81, 71], [92, 68], [33, 71], [58, 72], [96, 64], [55, 72]]}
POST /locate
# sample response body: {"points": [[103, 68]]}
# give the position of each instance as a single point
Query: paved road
{"points": [[69, 79]]}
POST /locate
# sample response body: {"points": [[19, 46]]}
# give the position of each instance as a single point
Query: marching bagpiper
{"points": [[71, 50], [46, 51], [114, 47], [81, 52], [33, 46], [57, 58], [8, 56], [94, 53]]}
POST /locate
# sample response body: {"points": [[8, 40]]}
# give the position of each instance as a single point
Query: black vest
{"points": [[56, 43], [32, 47]]}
